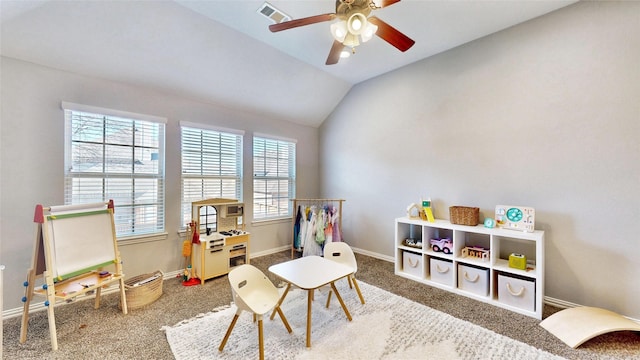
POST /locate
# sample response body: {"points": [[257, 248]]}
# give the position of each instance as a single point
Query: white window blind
{"points": [[274, 177], [211, 165], [119, 158]]}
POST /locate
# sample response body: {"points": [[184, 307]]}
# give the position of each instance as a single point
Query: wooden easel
{"points": [[72, 245]]}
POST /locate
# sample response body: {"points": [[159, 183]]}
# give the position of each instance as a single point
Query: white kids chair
{"points": [[341, 252], [253, 292]]}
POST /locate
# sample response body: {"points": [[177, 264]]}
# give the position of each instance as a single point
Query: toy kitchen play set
{"points": [[220, 242]]}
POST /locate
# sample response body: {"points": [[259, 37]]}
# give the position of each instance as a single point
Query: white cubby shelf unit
{"points": [[490, 280]]}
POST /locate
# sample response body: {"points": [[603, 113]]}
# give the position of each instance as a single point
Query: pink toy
{"points": [[445, 245]]}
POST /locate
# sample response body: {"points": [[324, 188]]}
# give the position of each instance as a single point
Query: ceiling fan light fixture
{"points": [[351, 40], [352, 27], [339, 30], [368, 32], [357, 23], [345, 54]]}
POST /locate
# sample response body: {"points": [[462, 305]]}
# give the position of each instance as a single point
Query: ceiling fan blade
{"points": [[334, 53], [385, 3], [301, 22], [389, 34]]}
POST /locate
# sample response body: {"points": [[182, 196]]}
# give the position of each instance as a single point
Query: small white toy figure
{"points": [[413, 211]]}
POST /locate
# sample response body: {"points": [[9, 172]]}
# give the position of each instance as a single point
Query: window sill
{"points": [[139, 239], [271, 221]]}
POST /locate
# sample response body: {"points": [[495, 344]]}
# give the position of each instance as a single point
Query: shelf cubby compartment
{"points": [[413, 264], [409, 232], [507, 245], [472, 248], [515, 291], [442, 271], [438, 233], [474, 279]]}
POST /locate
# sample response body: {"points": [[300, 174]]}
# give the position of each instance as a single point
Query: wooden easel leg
{"points": [[28, 293], [52, 326], [36, 260], [96, 303], [50, 304], [123, 297]]}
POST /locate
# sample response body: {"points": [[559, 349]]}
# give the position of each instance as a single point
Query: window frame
{"points": [[289, 176], [212, 131], [150, 210]]}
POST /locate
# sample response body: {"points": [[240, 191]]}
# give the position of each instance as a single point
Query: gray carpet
{"points": [[85, 333]]}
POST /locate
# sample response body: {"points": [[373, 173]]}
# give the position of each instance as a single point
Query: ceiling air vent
{"points": [[272, 13]]}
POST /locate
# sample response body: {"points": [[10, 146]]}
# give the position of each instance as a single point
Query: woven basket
{"points": [[145, 293], [464, 215]]}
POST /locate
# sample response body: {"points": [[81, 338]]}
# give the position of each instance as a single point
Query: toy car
{"points": [[442, 245], [413, 242]]}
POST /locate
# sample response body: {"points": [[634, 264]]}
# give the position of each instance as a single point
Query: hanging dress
{"points": [[328, 229], [311, 247], [337, 232], [302, 233], [320, 227], [296, 229]]}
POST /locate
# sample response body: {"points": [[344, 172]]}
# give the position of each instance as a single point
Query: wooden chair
{"points": [[253, 292], [341, 252]]}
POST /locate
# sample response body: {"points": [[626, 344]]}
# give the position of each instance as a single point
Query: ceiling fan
{"points": [[354, 24]]}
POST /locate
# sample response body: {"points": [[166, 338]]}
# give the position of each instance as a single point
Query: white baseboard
{"points": [[373, 255], [566, 305], [559, 303], [269, 252]]}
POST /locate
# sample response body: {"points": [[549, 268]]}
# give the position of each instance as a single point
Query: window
{"points": [[211, 166], [116, 155], [274, 177]]}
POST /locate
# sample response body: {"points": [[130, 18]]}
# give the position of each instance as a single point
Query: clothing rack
{"points": [[311, 202]]}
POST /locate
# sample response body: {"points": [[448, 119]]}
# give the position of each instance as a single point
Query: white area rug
{"points": [[386, 327]]}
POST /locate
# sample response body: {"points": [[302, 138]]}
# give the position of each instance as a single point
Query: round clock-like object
{"points": [[514, 214], [489, 223]]}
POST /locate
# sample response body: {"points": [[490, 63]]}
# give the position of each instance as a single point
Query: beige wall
{"points": [[32, 155], [545, 114]]}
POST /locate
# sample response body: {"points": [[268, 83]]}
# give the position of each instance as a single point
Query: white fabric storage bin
{"points": [[516, 292], [412, 263], [474, 280], [441, 271]]}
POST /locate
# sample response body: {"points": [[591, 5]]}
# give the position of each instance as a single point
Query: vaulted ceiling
{"points": [[222, 52]]}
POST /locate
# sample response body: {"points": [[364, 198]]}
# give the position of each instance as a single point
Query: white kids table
{"points": [[310, 273]]}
